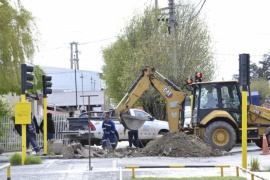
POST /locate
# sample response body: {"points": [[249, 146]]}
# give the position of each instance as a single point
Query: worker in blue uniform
{"points": [[109, 132]]}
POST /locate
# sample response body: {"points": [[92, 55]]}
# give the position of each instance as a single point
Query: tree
{"points": [[17, 30], [262, 86], [261, 71], [144, 42]]}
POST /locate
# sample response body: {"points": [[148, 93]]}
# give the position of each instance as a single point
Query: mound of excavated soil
{"points": [[178, 144]]}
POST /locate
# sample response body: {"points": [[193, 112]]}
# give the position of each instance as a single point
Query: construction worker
{"points": [[131, 134], [109, 132]]}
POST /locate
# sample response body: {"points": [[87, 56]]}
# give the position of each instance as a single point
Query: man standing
{"points": [[50, 127], [131, 134], [109, 132]]}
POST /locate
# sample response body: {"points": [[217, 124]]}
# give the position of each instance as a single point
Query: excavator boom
{"points": [[172, 94]]}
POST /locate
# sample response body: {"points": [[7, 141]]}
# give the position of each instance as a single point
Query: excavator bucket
{"points": [[133, 122]]}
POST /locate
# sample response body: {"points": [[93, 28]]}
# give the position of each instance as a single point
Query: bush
{"points": [[33, 160], [16, 159], [254, 165]]}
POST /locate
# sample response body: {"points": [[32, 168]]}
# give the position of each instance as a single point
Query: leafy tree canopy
{"points": [[17, 32], [146, 42]]}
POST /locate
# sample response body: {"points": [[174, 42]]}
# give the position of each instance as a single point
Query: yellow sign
{"points": [[23, 113]]}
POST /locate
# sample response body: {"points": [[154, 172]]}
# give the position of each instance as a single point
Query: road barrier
{"points": [[251, 173], [8, 170], [178, 166]]}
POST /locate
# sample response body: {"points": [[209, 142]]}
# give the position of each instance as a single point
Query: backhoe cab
{"points": [[217, 115]]}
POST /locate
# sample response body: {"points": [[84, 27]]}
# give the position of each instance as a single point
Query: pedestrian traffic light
{"points": [[46, 85], [25, 77], [198, 77]]}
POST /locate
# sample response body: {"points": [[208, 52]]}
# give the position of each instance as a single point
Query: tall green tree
{"points": [[17, 44], [262, 86], [145, 41]]}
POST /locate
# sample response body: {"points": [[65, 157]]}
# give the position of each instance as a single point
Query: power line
{"points": [[84, 43]]}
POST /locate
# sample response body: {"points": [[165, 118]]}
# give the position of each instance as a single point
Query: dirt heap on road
{"points": [[175, 144], [178, 144]]}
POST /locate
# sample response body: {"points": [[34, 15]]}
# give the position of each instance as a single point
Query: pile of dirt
{"points": [[178, 144]]}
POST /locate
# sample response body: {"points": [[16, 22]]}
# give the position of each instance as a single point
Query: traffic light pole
{"points": [[45, 122], [23, 99], [244, 73], [23, 108], [46, 90]]}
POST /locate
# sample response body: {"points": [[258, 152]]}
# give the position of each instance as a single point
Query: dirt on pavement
{"points": [[176, 144]]}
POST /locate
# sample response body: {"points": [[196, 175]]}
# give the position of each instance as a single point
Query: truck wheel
{"points": [[142, 143], [84, 142], [220, 135]]}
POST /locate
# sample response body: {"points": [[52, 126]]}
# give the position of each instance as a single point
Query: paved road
{"points": [[113, 168]]}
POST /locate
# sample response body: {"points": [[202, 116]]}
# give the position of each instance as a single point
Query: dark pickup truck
{"points": [[79, 128]]}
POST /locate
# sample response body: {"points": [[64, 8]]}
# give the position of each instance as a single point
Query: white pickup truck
{"points": [[79, 131]]}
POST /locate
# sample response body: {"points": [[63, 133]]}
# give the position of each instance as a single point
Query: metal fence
{"points": [[11, 141]]}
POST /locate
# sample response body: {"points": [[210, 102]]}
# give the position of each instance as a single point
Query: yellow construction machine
{"points": [[215, 107]]}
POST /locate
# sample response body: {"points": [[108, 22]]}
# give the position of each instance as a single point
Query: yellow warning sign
{"points": [[23, 113]]}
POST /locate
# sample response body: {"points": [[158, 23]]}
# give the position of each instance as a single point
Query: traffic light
{"points": [[244, 71], [46, 85], [25, 77], [198, 77]]}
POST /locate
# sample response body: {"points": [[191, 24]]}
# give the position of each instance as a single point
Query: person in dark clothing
{"points": [[50, 127], [135, 134], [30, 134], [108, 127], [71, 114]]}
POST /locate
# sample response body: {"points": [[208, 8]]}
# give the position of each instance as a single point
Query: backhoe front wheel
{"points": [[220, 135]]}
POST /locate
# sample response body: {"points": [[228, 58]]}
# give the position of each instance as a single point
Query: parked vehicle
{"points": [[79, 128]]}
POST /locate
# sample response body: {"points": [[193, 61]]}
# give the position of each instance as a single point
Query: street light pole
{"points": [[75, 67], [82, 89]]}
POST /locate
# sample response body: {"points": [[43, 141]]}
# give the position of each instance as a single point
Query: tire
{"points": [[142, 143], [162, 133], [84, 142], [258, 142], [220, 135]]}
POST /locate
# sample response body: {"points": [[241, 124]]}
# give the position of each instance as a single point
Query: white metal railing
{"points": [[11, 141]]}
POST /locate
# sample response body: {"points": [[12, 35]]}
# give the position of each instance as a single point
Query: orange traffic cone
{"points": [[265, 148]]}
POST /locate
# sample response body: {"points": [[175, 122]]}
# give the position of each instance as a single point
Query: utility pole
{"points": [[172, 26], [74, 57]]}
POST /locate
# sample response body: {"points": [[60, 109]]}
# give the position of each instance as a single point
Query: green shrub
{"points": [[254, 165], [15, 159], [33, 160]]}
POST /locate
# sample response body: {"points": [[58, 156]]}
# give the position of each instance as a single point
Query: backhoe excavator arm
{"points": [[172, 94]]}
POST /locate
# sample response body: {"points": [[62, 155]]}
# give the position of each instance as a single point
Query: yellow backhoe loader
{"points": [[216, 110]]}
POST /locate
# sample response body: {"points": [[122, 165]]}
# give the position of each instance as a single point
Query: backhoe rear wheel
{"points": [[259, 142], [220, 135]]}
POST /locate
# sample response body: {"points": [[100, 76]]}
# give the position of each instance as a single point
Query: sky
{"points": [[236, 27]]}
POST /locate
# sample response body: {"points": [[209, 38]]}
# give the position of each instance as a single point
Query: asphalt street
{"points": [[114, 168]]}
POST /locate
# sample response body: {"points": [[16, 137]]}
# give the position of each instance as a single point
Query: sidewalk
{"points": [[54, 167]]}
